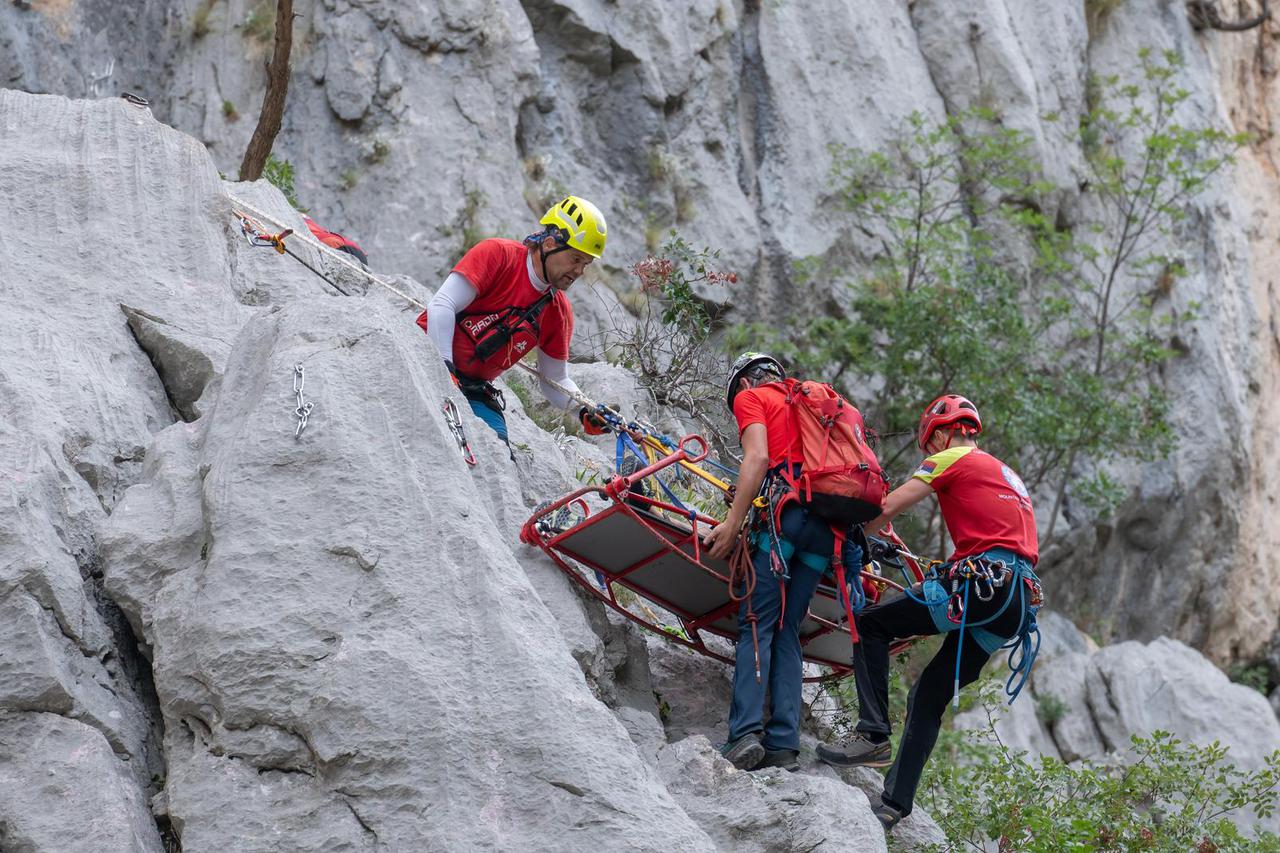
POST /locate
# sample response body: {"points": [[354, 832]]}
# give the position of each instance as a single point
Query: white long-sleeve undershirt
{"points": [[455, 295]]}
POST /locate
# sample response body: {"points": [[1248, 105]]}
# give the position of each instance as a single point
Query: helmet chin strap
{"points": [[543, 254]]}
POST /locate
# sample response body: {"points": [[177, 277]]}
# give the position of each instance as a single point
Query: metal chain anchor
{"points": [[303, 410], [454, 422]]}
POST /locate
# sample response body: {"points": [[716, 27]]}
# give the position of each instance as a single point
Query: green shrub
{"points": [[1057, 331], [1165, 795], [280, 174]]}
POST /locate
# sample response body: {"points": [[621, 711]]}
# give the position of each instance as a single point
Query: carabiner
{"points": [[454, 421]]}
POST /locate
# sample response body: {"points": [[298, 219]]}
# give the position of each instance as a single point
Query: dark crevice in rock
{"points": [[364, 825], [292, 771], [756, 118], [566, 786], [169, 836], [127, 661], [1112, 711]]}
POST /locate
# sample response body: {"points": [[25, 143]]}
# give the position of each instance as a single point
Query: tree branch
{"points": [[1204, 16]]}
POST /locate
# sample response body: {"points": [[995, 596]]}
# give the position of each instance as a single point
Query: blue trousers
{"points": [[491, 416], [780, 652]]}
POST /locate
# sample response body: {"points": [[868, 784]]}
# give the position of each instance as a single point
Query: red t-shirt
{"points": [[767, 404], [497, 270], [984, 502]]}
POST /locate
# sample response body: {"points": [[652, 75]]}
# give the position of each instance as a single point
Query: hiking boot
{"points": [[887, 814], [857, 751], [787, 759], [745, 752]]}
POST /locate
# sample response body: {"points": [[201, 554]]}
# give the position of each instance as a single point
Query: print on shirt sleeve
{"points": [[936, 465]]}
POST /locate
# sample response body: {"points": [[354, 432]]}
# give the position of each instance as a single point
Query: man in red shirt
{"points": [[757, 392], [505, 298], [982, 597]]}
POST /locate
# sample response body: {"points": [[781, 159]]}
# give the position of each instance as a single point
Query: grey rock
{"points": [[1136, 689], [283, 725], [767, 810], [66, 791], [916, 832], [1059, 636], [1075, 732], [186, 363]]}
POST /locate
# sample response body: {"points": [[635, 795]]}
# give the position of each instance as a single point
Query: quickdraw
{"points": [[454, 421], [258, 236]]}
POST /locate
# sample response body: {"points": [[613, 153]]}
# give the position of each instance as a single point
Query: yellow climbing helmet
{"points": [[582, 224]]}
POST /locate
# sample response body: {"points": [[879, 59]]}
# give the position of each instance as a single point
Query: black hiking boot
{"points": [[745, 752], [887, 814], [857, 751], [787, 759]]}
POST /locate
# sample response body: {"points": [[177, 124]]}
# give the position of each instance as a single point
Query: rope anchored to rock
{"points": [[258, 236]]}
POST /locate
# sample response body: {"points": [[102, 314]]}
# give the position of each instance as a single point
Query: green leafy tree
{"points": [[1056, 332]]}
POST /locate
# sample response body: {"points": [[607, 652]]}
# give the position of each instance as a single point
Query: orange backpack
{"points": [[840, 479]]}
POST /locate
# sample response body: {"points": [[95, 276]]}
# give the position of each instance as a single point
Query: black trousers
{"points": [[901, 617]]}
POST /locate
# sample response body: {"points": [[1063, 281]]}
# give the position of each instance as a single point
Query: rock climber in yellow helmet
{"points": [[506, 297]]}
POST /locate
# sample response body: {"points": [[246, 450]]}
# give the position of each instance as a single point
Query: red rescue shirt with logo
{"points": [[984, 502], [767, 404], [497, 270]]}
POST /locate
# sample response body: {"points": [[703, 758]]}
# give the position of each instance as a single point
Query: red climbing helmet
{"points": [[948, 410]]}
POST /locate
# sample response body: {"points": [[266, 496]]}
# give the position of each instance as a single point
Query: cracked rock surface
{"points": [[415, 127], [335, 642], [227, 633]]}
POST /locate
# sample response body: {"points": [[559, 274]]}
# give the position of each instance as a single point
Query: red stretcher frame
{"points": [[659, 550]]}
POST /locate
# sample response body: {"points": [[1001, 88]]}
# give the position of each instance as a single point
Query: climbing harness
{"points": [[258, 236], [500, 332], [304, 407], [454, 422], [945, 591]]}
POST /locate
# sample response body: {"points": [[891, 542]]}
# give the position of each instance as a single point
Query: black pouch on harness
{"points": [[510, 321], [482, 392]]}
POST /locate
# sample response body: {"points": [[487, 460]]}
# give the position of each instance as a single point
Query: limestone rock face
{"points": [[320, 653], [770, 809], [76, 794], [277, 638], [418, 128], [286, 636]]}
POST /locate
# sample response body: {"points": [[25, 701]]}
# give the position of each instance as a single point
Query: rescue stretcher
{"points": [[653, 548]]}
